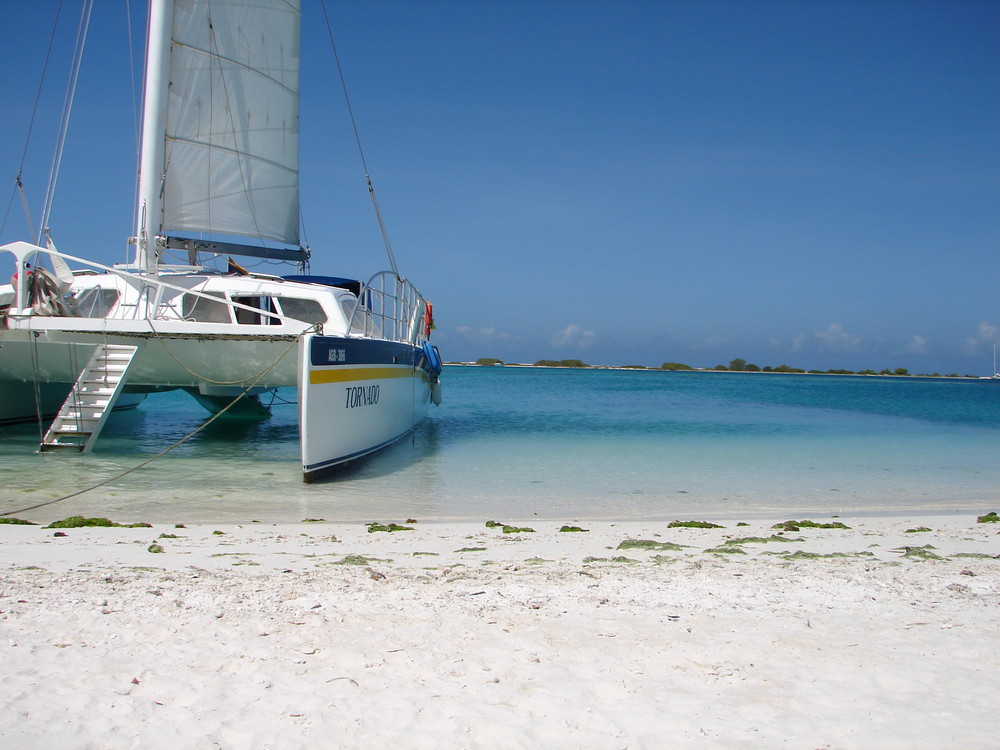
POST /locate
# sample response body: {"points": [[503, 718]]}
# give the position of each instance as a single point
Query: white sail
{"points": [[232, 143]]}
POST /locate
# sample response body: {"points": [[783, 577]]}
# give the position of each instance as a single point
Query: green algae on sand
{"points": [[650, 544], [762, 539], [798, 525], [375, 526], [79, 522], [919, 553], [693, 525]]}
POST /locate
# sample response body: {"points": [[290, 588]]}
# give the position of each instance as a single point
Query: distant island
{"points": [[735, 365]]}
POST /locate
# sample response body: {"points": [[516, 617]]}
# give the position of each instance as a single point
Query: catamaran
{"points": [[219, 159]]}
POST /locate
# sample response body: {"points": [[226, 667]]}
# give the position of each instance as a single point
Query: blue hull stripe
{"points": [[331, 351]]}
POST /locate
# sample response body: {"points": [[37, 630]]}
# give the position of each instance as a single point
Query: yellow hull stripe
{"points": [[346, 375]]}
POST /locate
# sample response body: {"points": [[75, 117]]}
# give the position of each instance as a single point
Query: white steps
{"points": [[91, 399]]}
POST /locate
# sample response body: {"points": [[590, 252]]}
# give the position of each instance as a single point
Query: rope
{"points": [[162, 453]]}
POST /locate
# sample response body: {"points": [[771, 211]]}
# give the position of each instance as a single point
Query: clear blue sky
{"points": [[806, 183]]}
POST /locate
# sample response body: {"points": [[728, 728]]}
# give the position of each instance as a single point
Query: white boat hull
{"points": [[357, 396]]}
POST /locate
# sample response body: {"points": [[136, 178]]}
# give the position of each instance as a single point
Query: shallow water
{"points": [[517, 443]]}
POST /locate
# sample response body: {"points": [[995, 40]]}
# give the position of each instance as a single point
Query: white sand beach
{"points": [[327, 635]]}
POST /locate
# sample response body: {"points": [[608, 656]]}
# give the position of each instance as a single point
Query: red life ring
{"points": [[428, 320]]}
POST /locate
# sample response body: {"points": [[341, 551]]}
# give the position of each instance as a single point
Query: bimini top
{"points": [[352, 285]]}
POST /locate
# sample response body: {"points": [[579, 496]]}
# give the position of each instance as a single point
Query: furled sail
{"points": [[232, 131]]}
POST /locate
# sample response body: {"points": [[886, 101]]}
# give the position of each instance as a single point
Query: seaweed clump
{"points": [[650, 545], [803, 555], [79, 522], [373, 527], [572, 528], [761, 539], [17, 521], [354, 559], [919, 553], [990, 517], [693, 525], [798, 525], [507, 529]]}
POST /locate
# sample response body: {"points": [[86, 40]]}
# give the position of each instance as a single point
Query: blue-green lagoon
{"points": [[561, 444]]}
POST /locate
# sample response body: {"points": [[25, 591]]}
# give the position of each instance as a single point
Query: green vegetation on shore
{"points": [[735, 365], [561, 363]]}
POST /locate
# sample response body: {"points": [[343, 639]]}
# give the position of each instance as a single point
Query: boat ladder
{"points": [[91, 400]]}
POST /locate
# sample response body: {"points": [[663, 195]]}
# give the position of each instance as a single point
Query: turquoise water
{"points": [[518, 443]]}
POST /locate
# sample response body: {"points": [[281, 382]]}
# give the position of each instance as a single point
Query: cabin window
{"points": [[202, 310], [250, 318], [95, 302], [306, 310]]}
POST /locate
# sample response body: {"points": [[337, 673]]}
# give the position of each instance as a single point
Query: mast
{"points": [[154, 123]]}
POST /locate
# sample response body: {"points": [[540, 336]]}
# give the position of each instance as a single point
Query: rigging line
{"points": [[135, 111], [81, 40], [24, 203], [147, 462], [357, 138], [31, 123], [36, 386]]}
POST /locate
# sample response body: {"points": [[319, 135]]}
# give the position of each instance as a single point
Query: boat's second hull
{"points": [[27, 401], [163, 359]]}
